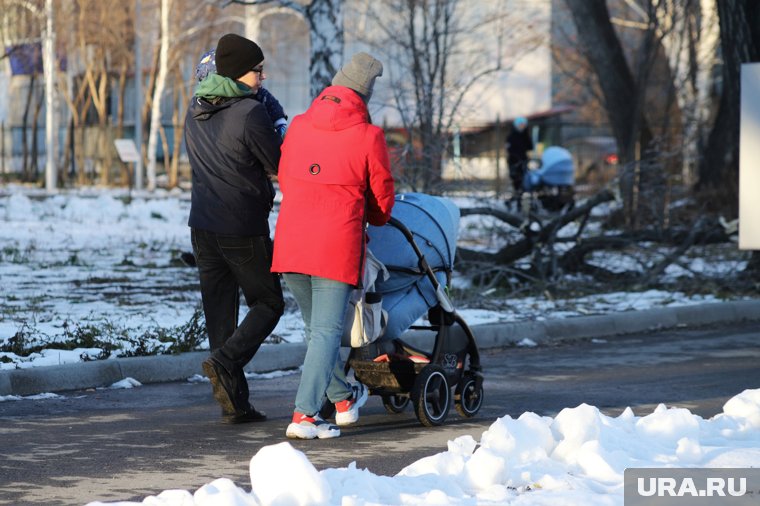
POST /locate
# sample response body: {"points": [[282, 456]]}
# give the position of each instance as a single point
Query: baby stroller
{"points": [[417, 247], [552, 183]]}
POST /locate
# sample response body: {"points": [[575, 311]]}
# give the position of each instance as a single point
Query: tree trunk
{"points": [[82, 176], [34, 152], [158, 91], [624, 96], [125, 167], [100, 99], [68, 153], [605, 53], [165, 148], [24, 124], [148, 97], [740, 43], [79, 141], [181, 99], [753, 266], [325, 18]]}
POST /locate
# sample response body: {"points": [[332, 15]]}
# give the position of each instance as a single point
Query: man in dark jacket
{"points": [[233, 148], [519, 144]]}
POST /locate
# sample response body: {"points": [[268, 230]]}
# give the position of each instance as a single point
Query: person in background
{"points": [[335, 178], [233, 149], [519, 144]]}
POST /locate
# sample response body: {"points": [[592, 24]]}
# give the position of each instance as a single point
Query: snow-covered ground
{"points": [[574, 459], [98, 259]]}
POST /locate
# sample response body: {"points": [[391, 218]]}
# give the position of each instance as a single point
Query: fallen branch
{"points": [[512, 219], [574, 260], [544, 233]]}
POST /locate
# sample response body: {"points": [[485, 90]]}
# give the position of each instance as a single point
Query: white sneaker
{"points": [[347, 411], [310, 427]]}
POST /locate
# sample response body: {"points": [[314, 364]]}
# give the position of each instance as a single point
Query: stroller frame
{"points": [[425, 379]]}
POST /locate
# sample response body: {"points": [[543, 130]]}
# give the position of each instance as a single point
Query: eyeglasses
{"points": [[259, 70]]}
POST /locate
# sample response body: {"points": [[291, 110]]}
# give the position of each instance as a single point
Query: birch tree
{"points": [[740, 43], [158, 91], [181, 37], [43, 15], [326, 36], [50, 63], [693, 52]]}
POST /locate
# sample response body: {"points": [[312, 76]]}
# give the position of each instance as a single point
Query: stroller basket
{"points": [[389, 377]]}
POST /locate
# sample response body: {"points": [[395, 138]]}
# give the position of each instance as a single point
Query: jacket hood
{"points": [[219, 86], [337, 108], [201, 109]]}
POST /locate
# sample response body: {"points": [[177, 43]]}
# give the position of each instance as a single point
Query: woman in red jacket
{"points": [[335, 177]]}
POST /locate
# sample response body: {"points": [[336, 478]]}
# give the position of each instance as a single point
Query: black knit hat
{"points": [[236, 56]]}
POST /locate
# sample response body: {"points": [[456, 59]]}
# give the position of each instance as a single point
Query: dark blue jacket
{"points": [[232, 147]]}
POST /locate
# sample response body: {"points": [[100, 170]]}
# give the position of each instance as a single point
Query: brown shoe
{"points": [[221, 384]]}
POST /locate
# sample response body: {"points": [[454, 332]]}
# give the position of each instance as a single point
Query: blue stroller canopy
{"points": [[556, 169], [408, 293]]}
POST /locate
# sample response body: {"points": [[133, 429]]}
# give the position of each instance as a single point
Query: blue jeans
{"points": [[323, 305]]}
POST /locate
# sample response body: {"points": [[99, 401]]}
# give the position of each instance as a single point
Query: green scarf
{"points": [[215, 86]]}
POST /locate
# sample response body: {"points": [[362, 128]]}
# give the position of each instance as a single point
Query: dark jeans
{"points": [[225, 264], [517, 171]]}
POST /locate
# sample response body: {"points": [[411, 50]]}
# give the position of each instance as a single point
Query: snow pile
{"points": [[37, 397], [126, 383], [576, 458]]}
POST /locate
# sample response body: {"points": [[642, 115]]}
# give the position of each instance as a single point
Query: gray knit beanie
{"points": [[359, 74]]}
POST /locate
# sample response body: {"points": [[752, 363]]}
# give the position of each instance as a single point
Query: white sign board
{"points": [[749, 158], [127, 150]]}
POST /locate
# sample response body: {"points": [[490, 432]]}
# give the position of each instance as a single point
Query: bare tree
{"points": [[693, 53], [181, 94], [25, 32], [624, 78], [436, 51], [685, 32], [740, 43], [158, 90], [179, 31], [27, 168], [97, 60], [661, 47]]}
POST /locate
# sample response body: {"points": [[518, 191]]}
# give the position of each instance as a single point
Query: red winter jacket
{"points": [[334, 176]]}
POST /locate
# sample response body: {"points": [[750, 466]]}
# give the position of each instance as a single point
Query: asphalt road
{"points": [[127, 444]]}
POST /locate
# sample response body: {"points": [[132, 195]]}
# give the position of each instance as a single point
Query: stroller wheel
{"points": [[431, 395], [395, 404], [468, 396]]}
